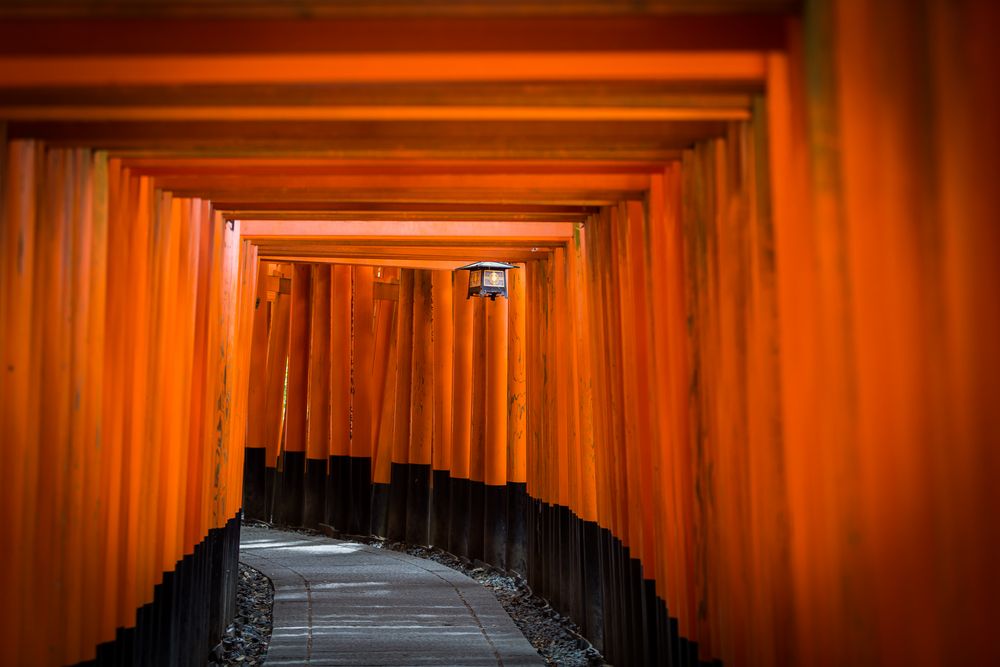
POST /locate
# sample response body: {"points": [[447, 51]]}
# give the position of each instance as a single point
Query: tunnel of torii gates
{"points": [[741, 404]]}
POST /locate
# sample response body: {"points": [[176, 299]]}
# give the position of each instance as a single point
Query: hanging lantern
{"points": [[487, 278]]}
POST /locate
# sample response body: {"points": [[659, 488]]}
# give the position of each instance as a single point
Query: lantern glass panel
{"points": [[493, 278], [475, 278]]}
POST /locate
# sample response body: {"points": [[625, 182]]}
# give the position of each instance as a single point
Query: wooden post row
{"points": [[129, 310]]}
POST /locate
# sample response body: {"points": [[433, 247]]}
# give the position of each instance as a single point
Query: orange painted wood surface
{"points": [[516, 376], [751, 333], [443, 333], [404, 369], [318, 442], [297, 382], [462, 413], [340, 362], [495, 450], [363, 357], [421, 412], [104, 278]]}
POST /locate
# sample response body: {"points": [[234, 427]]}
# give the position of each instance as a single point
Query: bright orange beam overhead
{"points": [[380, 229], [734, 67], [433, 264], [254, 165], [458, 181], [367, 113]]}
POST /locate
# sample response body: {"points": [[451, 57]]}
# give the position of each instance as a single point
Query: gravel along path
{"points": [[246, 639]]}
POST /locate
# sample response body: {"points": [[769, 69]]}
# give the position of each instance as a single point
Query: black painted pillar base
{"points": [[338, 492], [440, 488], [289, 489], [254, 491], [477, 507], [314, 504], [398, 479], [517, 526], [458, 520], [593, 585], [495, 525], [190, 610], [533, 539], [361, 495], [649, 622], [270, 473], [380, 509], [418, 503], [553, 574]]}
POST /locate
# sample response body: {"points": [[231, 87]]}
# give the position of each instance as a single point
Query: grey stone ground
{"points": [[342, 603]]}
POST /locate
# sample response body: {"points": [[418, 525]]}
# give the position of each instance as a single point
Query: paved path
{"points": [[342, 603]]}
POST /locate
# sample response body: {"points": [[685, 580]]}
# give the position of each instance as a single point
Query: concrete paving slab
{"points": [[342, 603]]}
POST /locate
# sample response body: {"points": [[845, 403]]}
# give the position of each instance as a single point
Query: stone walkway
{"points": [[342, 603]]}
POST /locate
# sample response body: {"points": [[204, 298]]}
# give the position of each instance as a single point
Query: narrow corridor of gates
{"points": [[740, 407]]}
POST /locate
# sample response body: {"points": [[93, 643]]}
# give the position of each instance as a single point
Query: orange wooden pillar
{"points": [[546, 453], [113, 422], [256, 452], [398, 475], [112, 293], [363, 399], [535, 421], [517, 498], [458, 517], [51, 410], [137, 363], [19, 452], [169, 421], [338, 496], [277, 367], [589, 537], [671, 363], [387, 295], [495, 450], [318, 425], [246, 300], [421, 413], [114, 339], [94, 269], [621, 624], [289, 476], [477, 431], [442, 306], [605, 426], [567, 531], [639, 395]]}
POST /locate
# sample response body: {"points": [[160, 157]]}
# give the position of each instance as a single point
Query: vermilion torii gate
{"points": [[741, 405]]}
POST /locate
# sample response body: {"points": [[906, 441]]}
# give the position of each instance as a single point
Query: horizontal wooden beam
{"points": [[376, 230], [365, 113], [654, 94], [289, 166], [290, 199], [375, 210], [446, 265], [439, 9], [390, 34], [246, 215], [454, 250], [223, 184], [110, 70], [468, 140]]}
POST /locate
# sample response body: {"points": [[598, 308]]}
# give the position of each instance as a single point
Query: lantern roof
{"points": [[475, 266]]}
